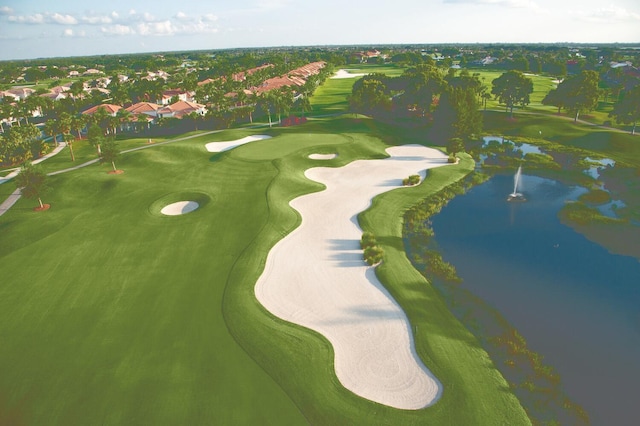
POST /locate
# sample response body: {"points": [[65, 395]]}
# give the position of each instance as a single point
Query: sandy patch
{"points": [[181, 207], [316, 277], [346, 74], [227, 145], [323, 156]]}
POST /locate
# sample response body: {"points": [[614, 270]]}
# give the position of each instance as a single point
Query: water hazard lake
{"points": [[573, 301]]}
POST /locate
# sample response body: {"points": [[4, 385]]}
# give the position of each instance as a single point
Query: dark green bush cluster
{"points": [[411, 180], [373, 253]]}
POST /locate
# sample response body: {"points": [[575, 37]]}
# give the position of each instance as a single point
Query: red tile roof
{"points": [[110, 108], [142, 107], [180, 108]]}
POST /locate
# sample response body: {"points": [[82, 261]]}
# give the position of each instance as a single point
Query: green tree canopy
{"points": [[627, 110], [580, 92], [370, 96], [109, 152], [32, 182], [512, 88]]}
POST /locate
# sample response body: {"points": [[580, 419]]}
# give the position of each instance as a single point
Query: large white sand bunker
{"points": [[346, 74], [181, 207], [316, 277], [323, 156], [227, 145]]}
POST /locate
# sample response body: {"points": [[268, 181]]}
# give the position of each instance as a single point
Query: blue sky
{"points": [[45, 28]]}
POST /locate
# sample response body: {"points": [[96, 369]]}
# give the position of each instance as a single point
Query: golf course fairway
{"points": [[115, 313]]}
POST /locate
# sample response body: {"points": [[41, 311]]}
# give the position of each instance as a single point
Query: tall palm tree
{"points": [[64, 127], [124, 118], [50, 128], [6, 111], [32, 182], [78, 122]]}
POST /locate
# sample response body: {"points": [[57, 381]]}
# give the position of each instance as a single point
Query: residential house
{"points": [[180, 109], [242, 75], [147, 108], [182, 95], [110, 108], [92, 71], [206, 81], [296, 77], [19, 93], [54, 96]]}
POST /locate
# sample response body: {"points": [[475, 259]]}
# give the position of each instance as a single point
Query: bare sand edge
{"points": [[181, 207], [323, 156], [227, 145], [315, 277]]}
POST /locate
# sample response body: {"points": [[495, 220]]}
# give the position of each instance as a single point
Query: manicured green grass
{"points": [[118, 315], [111, 313]]}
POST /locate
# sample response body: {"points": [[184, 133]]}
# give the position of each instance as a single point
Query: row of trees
{"points": [[450, 103]]}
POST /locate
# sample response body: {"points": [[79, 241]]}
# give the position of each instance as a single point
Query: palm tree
{"points": [[267, 101], [6, 112], [101, 118], [95, 136], [124, 117], [110, 152], [51, 129], [78, 122], [64, 127], [68, 138], [32, 182]]}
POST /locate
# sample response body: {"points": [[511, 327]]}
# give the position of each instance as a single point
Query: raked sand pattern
{"points": [[227, 145], [316, 277]]}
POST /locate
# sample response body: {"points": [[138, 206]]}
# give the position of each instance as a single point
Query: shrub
{"points": [[411, 180], [367, 240], [373, 255]]}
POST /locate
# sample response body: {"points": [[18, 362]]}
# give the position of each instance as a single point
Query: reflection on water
{"points": [[574, 302]]}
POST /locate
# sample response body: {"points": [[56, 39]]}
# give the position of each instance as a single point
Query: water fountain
{"points": [[515, 195]]}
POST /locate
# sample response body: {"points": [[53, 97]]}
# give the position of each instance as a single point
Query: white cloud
{"points": [[37, 18], [129, 23], [70, 32], [608, 14], [44, 18], [117, 29], [163, 28], [272, 4], [63, 19], [526, 4], [97, 19], [6, 10]]}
